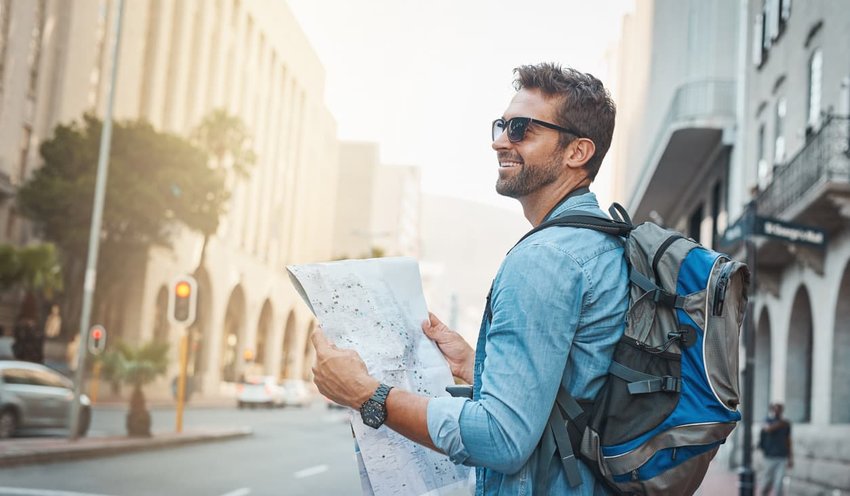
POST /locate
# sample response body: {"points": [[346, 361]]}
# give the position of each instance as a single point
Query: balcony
{"points": [[691, 133], [813, 188]]}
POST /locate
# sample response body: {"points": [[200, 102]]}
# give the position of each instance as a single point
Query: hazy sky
{"points": [[424, 79]]}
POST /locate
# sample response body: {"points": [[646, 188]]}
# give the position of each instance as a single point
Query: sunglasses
{"points": [[517, 126]]}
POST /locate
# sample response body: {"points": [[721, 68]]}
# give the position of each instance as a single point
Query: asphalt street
{"points": [[292, 452]]}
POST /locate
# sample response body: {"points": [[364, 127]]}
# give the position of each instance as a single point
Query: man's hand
{"points": [[457, 351], [341, 375]]}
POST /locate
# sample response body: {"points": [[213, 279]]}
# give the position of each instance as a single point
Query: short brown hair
{"points": [[586, 105]]}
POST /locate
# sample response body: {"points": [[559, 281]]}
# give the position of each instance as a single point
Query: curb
{"points": [[53, 450]]}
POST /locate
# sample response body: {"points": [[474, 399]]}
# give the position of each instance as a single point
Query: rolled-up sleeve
{"points": [[444, 426]]}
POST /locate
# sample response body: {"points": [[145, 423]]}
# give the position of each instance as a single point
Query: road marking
{"points": [[21, 491], [244, 491], [307, 472]]}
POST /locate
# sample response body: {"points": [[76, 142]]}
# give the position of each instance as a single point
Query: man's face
{"points": [[537, 160]]}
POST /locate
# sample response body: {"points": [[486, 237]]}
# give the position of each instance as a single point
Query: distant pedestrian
{"points": [[775, 443], [53, 324]]}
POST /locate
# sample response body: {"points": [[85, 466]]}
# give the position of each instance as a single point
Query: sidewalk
{"points": [[20, 451], [719, 481]]}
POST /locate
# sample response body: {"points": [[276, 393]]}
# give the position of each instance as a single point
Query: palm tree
{"points": [[227, 143], [136, 366]]}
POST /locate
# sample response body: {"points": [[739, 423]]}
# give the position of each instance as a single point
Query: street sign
{"points": [[790, 232], [183, 301], [97, 339]]}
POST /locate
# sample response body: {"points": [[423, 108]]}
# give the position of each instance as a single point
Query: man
{"points": [[775, 442], [557, 304]]}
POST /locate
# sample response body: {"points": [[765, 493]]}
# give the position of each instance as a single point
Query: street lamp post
{"points": [[94, 233], [747, 479]]}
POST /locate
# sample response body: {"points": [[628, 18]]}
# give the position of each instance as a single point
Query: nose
{"points": [[502, 142]]}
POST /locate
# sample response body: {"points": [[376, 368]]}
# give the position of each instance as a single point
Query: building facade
{"points": [[379, 207], [179, 61], [757, 97]]}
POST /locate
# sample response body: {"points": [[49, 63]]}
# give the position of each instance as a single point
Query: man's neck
{"points": [[536, 205]]}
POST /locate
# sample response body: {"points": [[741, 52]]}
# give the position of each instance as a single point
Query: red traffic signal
{"points": [[182, 301], [97, 339]]}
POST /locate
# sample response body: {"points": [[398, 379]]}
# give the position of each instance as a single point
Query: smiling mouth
{"points": [[508, 164]]}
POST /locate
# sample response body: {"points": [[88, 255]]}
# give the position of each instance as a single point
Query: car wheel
{"points": [[84, 422], [240, 405], [8, 423]]}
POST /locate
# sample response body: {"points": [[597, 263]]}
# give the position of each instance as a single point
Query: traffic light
{"points": [[97, 339], [182, 301]]}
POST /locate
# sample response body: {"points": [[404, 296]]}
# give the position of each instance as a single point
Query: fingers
{"points": [[432, 326], [320, 341]]}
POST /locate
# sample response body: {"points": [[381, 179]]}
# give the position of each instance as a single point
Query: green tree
{"points": [[136, 367], [157, 181], [35, 270]]}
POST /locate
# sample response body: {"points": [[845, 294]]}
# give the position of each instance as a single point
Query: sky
{"points": [[424, 79]]}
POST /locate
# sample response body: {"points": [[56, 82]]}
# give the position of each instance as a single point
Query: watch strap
{"points": [[381, 393]]}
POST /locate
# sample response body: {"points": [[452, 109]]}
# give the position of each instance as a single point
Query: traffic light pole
{"points": [[181, 381], [94, 233]]}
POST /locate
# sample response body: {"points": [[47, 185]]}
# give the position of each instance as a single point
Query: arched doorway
{"points": [[160, 319], [287, 357], [231, 344], [840, 349], [762, 378], [264, 327], [798, 371], [309, 354]]}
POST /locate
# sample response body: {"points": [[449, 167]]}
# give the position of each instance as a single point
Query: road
{"points": [[292, 452]]}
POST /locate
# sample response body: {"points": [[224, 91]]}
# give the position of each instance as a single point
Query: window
{"points": [[779, 132], [758, 40], [695, 224], [765, 172], [815, 79], [5, 20]]}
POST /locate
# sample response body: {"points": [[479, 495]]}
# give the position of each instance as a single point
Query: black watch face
{"points": [[373, 414]]}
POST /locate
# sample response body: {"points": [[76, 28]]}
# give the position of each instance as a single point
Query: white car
{"points": [[295, 393], [259, 390]]}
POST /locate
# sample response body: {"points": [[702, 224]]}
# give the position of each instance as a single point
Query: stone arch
{"points": [[309, 354], [840, 349], [761, 390], [287, 356], [160, 319], [798, 371], [264, 329], [234, 326]]}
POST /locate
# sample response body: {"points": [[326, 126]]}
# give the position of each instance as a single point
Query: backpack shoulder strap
{"points": [[584, 220]]}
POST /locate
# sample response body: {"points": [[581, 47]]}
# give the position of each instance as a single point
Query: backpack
{"points": [[671, 395]]}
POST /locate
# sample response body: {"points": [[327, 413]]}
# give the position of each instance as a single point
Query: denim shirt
{"points": [[558, 309]]}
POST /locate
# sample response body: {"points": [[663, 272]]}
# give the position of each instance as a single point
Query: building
{"points": [[795, 147], [179, 61], [726, 102], [378, 208]]}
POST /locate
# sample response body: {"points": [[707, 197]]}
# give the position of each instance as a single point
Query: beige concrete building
{"points": [[378, 206], [179, 60]]}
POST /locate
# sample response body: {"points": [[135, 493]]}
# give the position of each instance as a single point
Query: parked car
{"points": [[33, 396], [295, 393], [259, 390]]}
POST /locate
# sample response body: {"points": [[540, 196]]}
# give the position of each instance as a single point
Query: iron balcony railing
{"points": [[695, 103], [823, 159]]}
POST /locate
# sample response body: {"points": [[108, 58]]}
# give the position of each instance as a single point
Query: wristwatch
{"points": [[374, 410]]}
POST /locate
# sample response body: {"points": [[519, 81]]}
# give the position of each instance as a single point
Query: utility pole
{"points": [[94, 233]]}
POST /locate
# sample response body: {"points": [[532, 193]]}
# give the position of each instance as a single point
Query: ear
{"points": [[579, 152]]}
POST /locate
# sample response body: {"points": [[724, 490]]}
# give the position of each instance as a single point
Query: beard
{"points": [[530, 178]]}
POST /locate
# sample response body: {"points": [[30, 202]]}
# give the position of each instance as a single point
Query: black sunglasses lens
{"points": [[516, 129]]}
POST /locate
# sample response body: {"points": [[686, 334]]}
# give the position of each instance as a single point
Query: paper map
{"points": [[376, 307]]}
